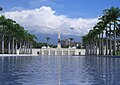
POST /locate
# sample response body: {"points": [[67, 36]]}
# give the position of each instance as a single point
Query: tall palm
{"points": [[10, 30], [10, 23], [101, 26], [31, 40], [20, 38], [3, 28], [104, 19], [106, 41], [17, 35], [86, 43], [113, 14], [108, 20], [14, 33]]}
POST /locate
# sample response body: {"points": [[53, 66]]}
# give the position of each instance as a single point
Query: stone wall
{"points": [[58, 51]]}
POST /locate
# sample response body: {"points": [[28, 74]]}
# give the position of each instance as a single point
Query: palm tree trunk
{"points": [[22, 44], [99, 45], [93, 48], [117, 45], [90, 48], [24, 48], [16, 47], [96, 48], [86, 53], [20, 48], [13, 50], [87, 48], [27, 47], [30, 48], [110, 42], [114, 45], [106, 42], [3, 43], [9, 45], [102, 45]]}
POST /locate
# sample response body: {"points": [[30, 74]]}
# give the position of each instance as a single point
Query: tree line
{"points": [[13, 36], [104, 38]]}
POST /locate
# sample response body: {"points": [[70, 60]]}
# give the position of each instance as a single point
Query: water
{"points": [[59, 70]]}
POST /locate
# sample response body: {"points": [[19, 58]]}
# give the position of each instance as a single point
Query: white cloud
{"points": [[44, 20]]}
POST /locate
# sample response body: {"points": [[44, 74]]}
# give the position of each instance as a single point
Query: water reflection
{"points": [[105, 70], [59, 70]]}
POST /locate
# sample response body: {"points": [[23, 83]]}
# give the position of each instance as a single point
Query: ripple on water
{"points": [[63, 70]]}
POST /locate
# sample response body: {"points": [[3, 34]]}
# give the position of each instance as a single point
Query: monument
{"points": [[59, 41], [59, 50]]}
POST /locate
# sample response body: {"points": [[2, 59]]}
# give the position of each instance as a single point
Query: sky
{"points": [[70, 17]]}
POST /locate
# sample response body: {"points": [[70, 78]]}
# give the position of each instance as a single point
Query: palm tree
{"points": [[96, 35], [89, 41], [12, 31], [118, 36], [3, 28], [20, 38], [10, 23], [104, 19], [100, 25], [112, 15], [71, 39], [31, 40], [17, 35], [108, 20], [115, 14], [14, 37]]}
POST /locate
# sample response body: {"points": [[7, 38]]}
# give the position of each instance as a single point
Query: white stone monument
{"points": [[59, 41]]}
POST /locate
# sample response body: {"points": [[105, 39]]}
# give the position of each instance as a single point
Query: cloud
{"points": [[44, 20]]}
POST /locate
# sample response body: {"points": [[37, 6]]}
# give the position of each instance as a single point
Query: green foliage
{"points": [[41, 44], [13, 29], [118, 52], [109, 16], [10, 29]]}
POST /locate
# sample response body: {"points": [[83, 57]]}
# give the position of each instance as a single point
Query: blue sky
{"points": [[70, 8], [47, 17]]}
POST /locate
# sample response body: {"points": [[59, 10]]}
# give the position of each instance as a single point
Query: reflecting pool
{"points": [[59, 70]]}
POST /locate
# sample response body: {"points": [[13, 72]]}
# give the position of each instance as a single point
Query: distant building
{"points": [[67, 42]]}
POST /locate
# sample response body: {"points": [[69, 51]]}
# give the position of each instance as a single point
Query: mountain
{"points": [[54, 37]]}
